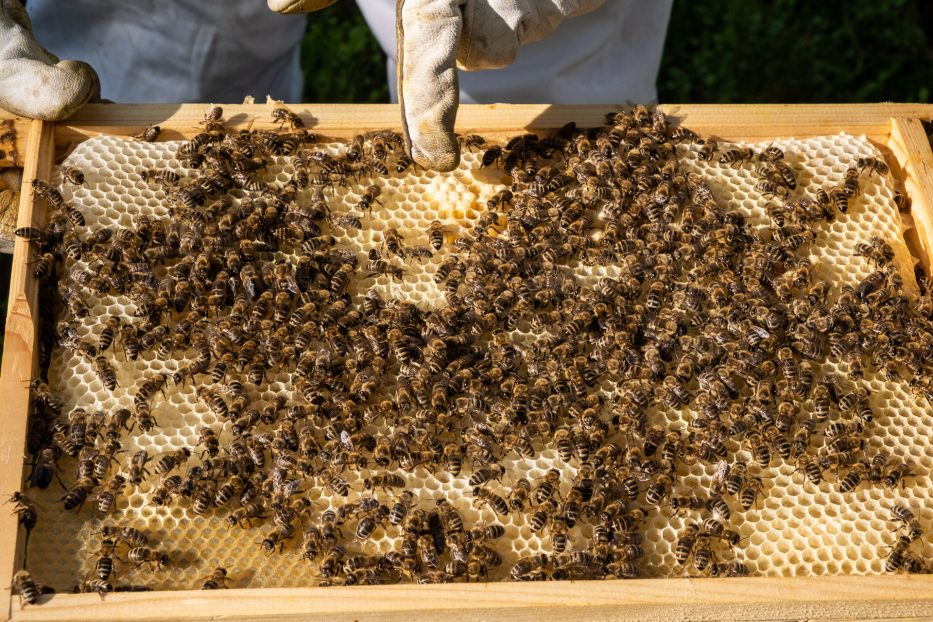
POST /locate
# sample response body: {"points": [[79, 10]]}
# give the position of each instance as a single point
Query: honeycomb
{"points": [[794, 529]]}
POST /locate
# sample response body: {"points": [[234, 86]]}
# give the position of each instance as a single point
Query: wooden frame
{"points": [[895, 128]]}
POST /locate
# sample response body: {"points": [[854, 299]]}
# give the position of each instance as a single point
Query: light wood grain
{"points": [[813, 598], [19, 350], [732, 122], [912, 148]]}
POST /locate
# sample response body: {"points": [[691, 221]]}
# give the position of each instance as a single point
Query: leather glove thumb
{"points": [[33, 82], [435, 36], [289, 7]]}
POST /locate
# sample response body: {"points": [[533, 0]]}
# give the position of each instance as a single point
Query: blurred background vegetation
{"points": [[717, 51]]}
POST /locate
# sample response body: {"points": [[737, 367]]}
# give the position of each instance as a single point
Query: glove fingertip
{"points": [[442, 161]]}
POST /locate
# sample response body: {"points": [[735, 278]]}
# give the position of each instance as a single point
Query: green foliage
{"points": [[342, 61], [797, 51]]}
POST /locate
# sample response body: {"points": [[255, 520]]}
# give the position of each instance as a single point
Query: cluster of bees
{"points": [[703, 312], [906, 553], [127, 546]]}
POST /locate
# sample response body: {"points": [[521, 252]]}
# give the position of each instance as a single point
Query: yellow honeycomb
{"points": [[795, 529]]}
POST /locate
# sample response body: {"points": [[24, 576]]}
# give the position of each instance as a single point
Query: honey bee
{"points": [[384, 481], [850, 185], [95, 585], [27, 588], [708, 149], [370, 195], [371, 521], [472, 140], [214, 115], [749, 492], [401, 507], [171, 460], [44, 266], [149, 387], [873, 165], [683, 134], [216, 580], [106, 372], [107, 497], [907, 520], [44, 190], [144, 555], [162, 177], [659, 490], [449, 516], [214, 401], [78, 493], [770, 189], [403, 163], [896, 473], [335, 483], [771, 154], [786, 174], [728, 569], [25, 509], [839, 199], [150, 134], [760, 449], [491, 156], [283, 116], [486, 474], [436, 235], [737, 156], [103, 568], [73, 175], [852, 478], [899, 556], [686, 543], [901, 201]]}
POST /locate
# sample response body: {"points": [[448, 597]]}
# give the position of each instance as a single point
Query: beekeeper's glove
{"points": [[298, 6], [437, 36], [33, 82]]}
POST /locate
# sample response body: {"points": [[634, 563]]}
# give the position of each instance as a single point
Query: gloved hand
{"points": [[33, 83], [436, 36], [298, 6]]}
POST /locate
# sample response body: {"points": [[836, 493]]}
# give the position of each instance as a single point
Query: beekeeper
{"points": [[199, 50]]}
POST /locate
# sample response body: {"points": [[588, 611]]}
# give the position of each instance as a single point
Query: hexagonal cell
{"points": [[787, 507]]}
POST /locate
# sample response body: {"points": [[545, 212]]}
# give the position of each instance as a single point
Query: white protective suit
{"points": [[222, 50], [177, 50]]}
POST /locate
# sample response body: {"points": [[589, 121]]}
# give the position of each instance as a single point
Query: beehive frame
{"points": [[896, 129]]}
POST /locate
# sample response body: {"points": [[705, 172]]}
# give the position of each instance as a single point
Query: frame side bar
{"points": [[912, 147], [20, 354]]}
